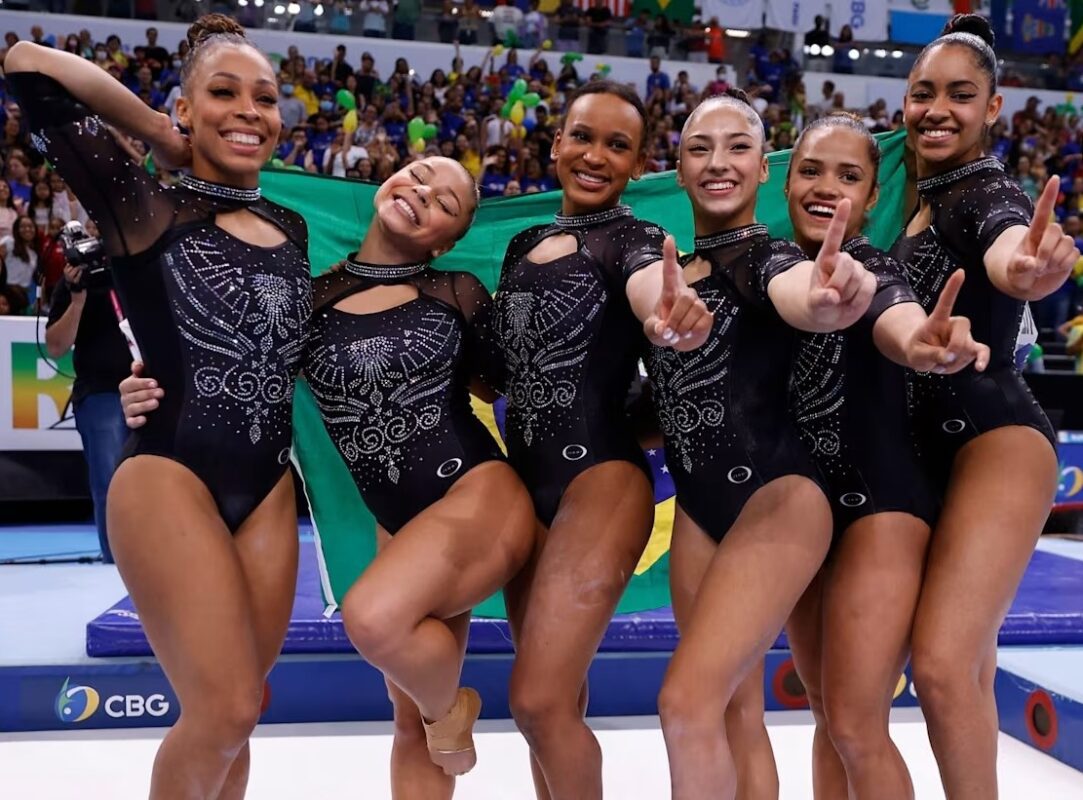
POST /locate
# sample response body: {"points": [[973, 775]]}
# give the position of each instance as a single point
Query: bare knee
{"points": [[942, 678], [688, 711], [226, 719], [372, 630], [538, 710], [855, 732]]}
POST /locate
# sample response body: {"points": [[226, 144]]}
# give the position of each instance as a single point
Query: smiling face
{"points": [[949, 104], [230, 107], [598, 151], [425, 207], [721, 167], [832, 163]]}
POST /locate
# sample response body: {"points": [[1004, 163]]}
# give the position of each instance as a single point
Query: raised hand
{"points": [[1045, 257], [943, 344], [680, 319], [174, 151], [138, 396], [841, 288]]}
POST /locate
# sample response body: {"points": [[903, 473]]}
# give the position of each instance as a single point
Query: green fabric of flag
{"points": [[338, 213], [1075, 21], [675, 10]]}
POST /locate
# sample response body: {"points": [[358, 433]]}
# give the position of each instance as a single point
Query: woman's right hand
{"points": [[138, 396], [174, 150]]}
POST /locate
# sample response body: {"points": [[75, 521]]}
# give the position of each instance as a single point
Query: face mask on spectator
{"points": [[177, 63], [100, 55], [326, 105], [287, 89]]}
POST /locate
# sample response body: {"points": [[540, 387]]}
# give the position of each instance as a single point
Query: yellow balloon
{"points": [[498, 49], [454, 76], [349, 122], [547, 44], [516, 115], [419, 145]]}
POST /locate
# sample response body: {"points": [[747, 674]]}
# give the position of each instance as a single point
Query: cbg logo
{"points": [[77, 703]]}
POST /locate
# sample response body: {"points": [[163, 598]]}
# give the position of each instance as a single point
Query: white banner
{"points": [[940, 7], [34, 409], [740, 14], [797, 16], [866, 18]]}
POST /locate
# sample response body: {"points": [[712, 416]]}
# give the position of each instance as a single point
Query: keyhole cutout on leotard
{"points": [[697, 269], [552, 248], [250, 228], [377, 299], [920, 221]]}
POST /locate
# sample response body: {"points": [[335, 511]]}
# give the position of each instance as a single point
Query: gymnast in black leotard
{"points": [[215, 282], [393, 387], [571, 343], [752, 524], [985, 441], [395, 350], [850, 632], [574, 302]]}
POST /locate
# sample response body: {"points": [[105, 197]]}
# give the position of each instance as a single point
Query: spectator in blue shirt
{"points": [[657, 80]]}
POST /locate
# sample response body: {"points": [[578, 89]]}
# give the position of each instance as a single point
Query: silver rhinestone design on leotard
{"points": [[220, 191], [952, 175], [726, 238], [388, 272], [580, 221]]}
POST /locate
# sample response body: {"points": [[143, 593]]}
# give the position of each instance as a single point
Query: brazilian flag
{"points": [[1075, 14], [675, 10], [338, 213]]}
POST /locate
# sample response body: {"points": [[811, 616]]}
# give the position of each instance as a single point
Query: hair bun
{"points": [[737, 94], [974, 24], [212, 25]]}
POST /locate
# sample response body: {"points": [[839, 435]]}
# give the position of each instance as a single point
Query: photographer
{"points": [[82, 315]]}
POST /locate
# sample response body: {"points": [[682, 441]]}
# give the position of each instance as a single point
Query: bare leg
{"points": [[413, 774], [448, 558], [757, 575], [1001, 488], [590, 552], [689, 557], [804, 631], [267, 546], [869, 600], [181, 565]]}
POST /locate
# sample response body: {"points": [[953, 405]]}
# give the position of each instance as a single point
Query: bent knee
{"points": [[228, 718], [537, 709], [941, 676], [684, 711], [372, 630]]}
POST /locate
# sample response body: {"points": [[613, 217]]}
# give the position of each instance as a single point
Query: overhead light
{"points": [[854, 54], [318, 11], [294, 8], [242, 3], [814, 50], [280, 10], [737, 33], [828, 51], [259, 3], [896, 53], [880, 53]]}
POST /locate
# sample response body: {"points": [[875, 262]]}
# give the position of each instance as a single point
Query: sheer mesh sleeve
{"points": [[129, 207], [891, 285], [483, 354], [640, 245], [770, 259], [974, 212]]}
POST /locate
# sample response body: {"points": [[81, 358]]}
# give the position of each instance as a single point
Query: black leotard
{"points": [[850, 406], [724, 407], [570, 343], [221, 323], [971, 206], [393, 386]]}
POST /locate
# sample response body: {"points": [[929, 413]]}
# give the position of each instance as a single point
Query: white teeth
{"points": [[939, 133], [821, 210], [590, 178], [406, 208], [242, 138], [718, 186]]}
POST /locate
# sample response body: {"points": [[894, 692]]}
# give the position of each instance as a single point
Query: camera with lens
{"points": [[85, 252]]}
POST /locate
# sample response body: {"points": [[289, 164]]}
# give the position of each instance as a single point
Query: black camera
{"points": [[85, 252]]}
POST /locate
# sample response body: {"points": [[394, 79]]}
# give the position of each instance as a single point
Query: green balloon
{"points": [[531, 99], [346, 100], [571, 58], [415, 129], [278, 162], [505, 110], [429, 131], [518, 89]]}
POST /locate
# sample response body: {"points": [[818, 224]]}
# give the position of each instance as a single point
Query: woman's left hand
{"points": [[680, 319], [944, 345], [1044, 258]]}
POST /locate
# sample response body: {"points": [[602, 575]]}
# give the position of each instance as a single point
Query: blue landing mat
{"points": [[1047, 611]]}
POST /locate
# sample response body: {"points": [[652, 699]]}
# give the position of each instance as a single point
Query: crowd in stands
{"points": [[352, 121]]}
